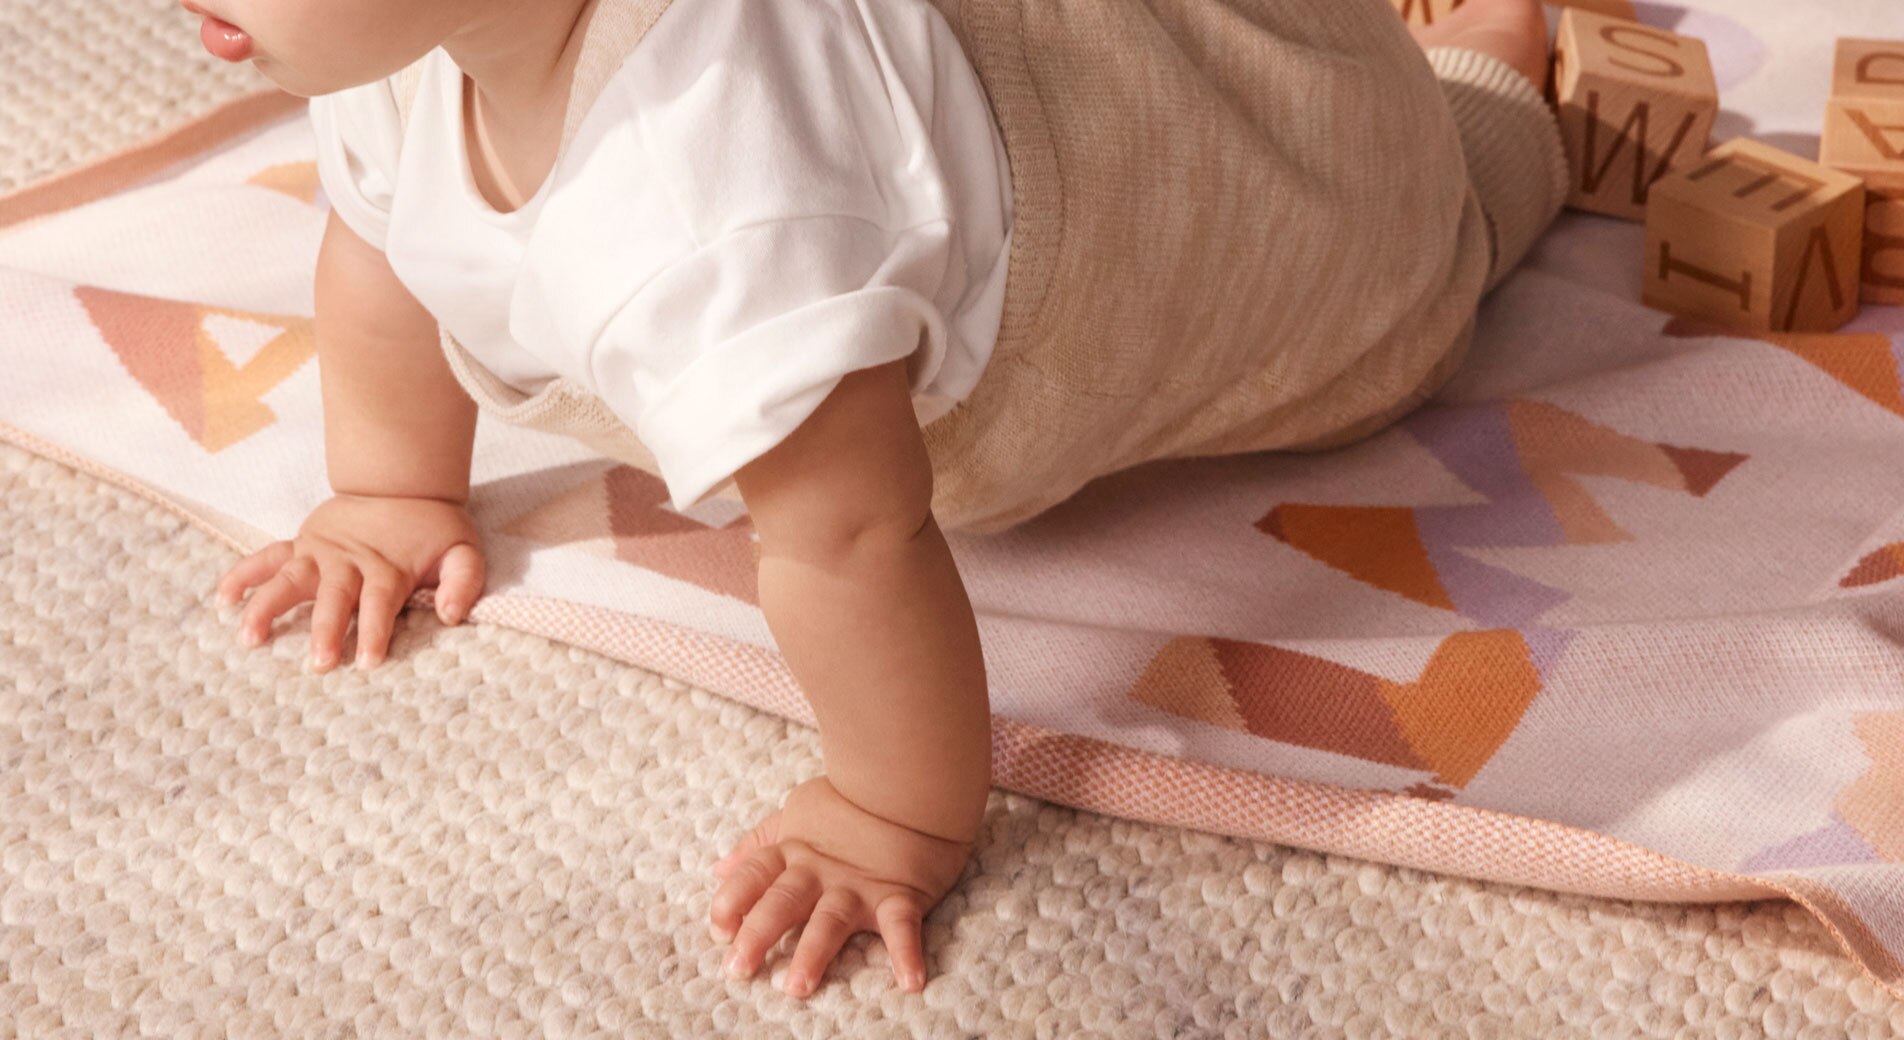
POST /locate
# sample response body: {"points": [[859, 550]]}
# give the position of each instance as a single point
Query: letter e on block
{"points": [[1755, 238], [1864, 136], [1634, 103], [1424, 12]]}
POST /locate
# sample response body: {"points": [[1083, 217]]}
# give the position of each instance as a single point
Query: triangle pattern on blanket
{"points": [[177, 353], [1524, 456], [1867, 362], [1471, 694], [296, 179], [622, 514], [1868, 805]]}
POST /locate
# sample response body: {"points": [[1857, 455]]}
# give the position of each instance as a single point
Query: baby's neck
{"points": [[520, 60]]}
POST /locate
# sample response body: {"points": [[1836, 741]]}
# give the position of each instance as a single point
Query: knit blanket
{"points": [[1617, 613]]}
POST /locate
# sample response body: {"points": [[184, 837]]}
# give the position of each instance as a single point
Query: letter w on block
{"points": [[1635, 102]]}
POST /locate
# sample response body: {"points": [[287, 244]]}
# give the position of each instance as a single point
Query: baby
{"points": [[876, 266]]}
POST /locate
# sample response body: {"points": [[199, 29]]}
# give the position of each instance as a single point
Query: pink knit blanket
{"points": [[1618, 613]]}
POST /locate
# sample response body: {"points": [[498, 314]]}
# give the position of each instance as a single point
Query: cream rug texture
{"points": [[497, 835]]}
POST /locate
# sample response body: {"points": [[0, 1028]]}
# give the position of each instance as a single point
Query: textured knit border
{"points": [[1511, 139]]}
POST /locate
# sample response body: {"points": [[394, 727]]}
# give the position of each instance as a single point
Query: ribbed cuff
{"points": [[1511, 139]]}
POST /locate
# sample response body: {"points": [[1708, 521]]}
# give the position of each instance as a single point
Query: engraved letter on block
{"points": [[1756, 238], [1864, 136], [1634, 102]]}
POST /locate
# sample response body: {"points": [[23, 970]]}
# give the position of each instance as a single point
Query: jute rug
{"points": [[499, 835]]}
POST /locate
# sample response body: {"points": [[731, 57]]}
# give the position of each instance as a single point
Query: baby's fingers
{"points": [[294, 583], [385, 590], [742, 889], [336, 598], [251, 570], [459, 582], [899, 919], [835, 918]]}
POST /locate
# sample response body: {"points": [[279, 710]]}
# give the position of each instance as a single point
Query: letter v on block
{"points": [[1635, 103], [1864, 136], [1755, 238]]}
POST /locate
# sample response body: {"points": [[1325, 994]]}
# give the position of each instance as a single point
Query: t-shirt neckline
{"points": [[597, 33], [466, 172]]}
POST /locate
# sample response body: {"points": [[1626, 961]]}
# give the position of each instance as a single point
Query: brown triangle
{"points": [[634, 505], [1702, 469], [1272, 524], [157, 341], [1186, 679], [1879, 565], [1297, 698]]}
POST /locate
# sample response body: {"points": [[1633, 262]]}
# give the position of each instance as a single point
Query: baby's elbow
{"points": [[835, 520], [855, 477]]}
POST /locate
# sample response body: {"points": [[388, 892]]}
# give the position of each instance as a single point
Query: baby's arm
{"points": [[395, 421], [866, 605]]}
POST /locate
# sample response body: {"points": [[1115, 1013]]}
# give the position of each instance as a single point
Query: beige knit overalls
{"points": [[1238, 225]]}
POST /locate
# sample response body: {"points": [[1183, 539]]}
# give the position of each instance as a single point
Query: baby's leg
{"points": [[1490, 58], [1514, 31]]}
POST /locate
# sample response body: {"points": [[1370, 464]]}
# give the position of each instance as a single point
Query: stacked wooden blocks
{"points": [[1864, 136], [1744, 234]]}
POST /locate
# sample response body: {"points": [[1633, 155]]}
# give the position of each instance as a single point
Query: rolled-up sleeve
{"points": [[358, 134], [721, 355]]}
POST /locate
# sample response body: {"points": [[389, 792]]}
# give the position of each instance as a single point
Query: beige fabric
{"points": [[1238, 226], [1518, 165], [494, 835]]}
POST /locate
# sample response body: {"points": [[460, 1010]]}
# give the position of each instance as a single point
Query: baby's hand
{"points": [[365, 554], [825, 862]]}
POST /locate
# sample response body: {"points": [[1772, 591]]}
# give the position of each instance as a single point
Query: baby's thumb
{"points": [[459, 581]]}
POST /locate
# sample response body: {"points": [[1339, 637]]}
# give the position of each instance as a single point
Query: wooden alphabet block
{"points": [[1424, 12], [1864, 136], [1634, 103], [1755, 238]]}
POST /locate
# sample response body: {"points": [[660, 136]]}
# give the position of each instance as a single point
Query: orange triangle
{"points": [[1376, 544], [1467, 702], [1860, 360], [296, 179]]}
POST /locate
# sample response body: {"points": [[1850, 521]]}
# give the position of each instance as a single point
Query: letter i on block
{"points": [[1634, 102], [1755, 238], [1864, 136], [1424, 12]]}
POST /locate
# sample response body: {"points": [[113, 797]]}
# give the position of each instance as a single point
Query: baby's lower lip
{"points": [[225, 40]]}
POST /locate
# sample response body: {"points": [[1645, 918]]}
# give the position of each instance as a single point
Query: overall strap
{"points": [[406, 88], [613, 29]]}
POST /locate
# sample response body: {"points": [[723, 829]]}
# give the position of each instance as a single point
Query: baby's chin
{"points": [[292, 82]]}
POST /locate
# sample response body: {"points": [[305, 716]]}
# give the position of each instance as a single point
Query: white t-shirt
{"points": [[767, 195]]}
